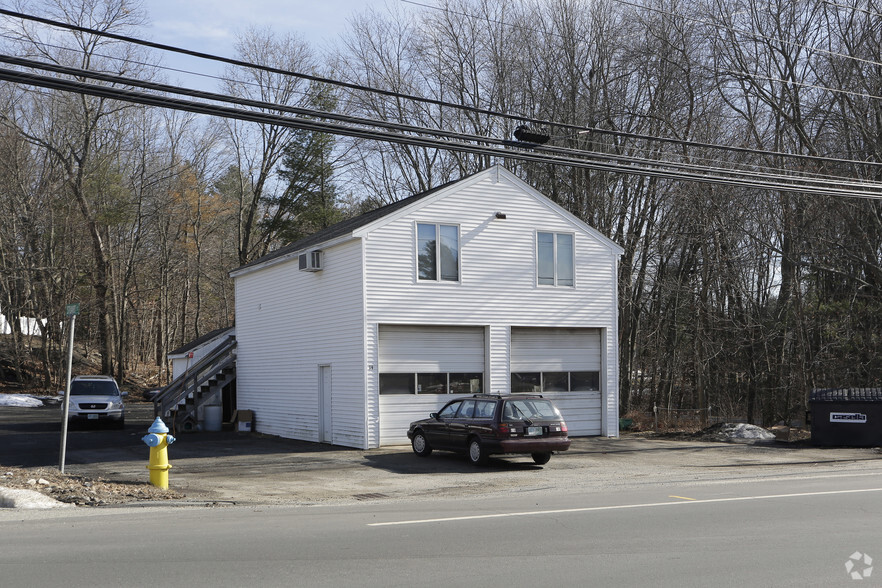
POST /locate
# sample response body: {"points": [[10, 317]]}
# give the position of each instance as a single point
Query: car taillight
{"points": [[563, 427], [507, 429]]}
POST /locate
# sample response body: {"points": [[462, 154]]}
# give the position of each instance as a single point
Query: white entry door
{"points": [[326, 431]]}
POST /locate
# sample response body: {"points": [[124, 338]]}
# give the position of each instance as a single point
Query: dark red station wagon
{"points": [[483, 425]]}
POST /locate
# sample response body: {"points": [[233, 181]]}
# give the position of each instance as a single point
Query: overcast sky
{"points": [[211, 25]]}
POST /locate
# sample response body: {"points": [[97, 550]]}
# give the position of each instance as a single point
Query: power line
{"points": [[816, 179], [126, 60], [655, 170], [854, 8], [751, 34], [266, 68], [727, 72], [435, 102]]}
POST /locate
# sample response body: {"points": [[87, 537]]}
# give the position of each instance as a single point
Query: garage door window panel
{"points": [[397, 384], [466, 383], [585, 381], [555, 381], [526, 382], [431, 383]]}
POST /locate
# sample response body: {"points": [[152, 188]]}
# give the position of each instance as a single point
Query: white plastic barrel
{"points": [[213, 418]]}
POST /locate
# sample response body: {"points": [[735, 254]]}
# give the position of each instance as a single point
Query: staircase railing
{"points": [[174, 396]]}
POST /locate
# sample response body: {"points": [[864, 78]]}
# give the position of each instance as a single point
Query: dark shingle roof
{"points": [[345, 227], [197, 342]]}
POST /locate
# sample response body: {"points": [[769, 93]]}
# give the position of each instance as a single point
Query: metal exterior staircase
{"points": [[200, 385]]}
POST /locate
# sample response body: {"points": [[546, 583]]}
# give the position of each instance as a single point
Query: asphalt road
{"points": [[761, 533], [275, 512]]}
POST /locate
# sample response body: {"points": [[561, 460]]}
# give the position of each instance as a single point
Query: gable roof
{"points": [[343, 228], [366, 221], [500, 174]]}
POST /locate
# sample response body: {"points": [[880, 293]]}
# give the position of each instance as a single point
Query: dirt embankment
{"points": [[80, 490]]}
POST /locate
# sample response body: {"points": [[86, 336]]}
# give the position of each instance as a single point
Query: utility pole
{"points": [[72, 310]]}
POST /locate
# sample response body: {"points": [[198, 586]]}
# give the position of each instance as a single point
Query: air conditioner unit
{"points": [[311, 261]]}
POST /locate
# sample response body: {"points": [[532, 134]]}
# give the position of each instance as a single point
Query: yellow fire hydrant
{"points": [[158, 440]]}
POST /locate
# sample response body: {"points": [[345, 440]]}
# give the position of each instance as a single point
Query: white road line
{"points": [[618, 507]]}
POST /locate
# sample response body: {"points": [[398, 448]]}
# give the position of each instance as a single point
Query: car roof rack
{"points": [[500, 395]]}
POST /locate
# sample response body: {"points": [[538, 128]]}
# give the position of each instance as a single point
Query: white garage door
{"points": [[564, 365], [555, 349], [431, 349], [420, 368]]}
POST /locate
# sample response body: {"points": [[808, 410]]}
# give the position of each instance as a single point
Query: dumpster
{"points": [[846, 417]]}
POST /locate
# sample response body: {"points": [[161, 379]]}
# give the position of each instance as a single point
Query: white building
{"points": [[189, 355], [482, 285]]}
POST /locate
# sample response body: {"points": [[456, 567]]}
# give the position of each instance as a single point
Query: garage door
{"points": [[564, 365], [431, 349], [420, 368], [555, 349]]}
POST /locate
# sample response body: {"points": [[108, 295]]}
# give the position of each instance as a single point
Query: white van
{"points": [[96, 399]]}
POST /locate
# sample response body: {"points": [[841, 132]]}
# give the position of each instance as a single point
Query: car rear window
{"points": [[96, 388], [529, 409]]}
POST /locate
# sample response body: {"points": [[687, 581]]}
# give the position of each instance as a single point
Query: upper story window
{"points": [[555, 259], [438, 252]]}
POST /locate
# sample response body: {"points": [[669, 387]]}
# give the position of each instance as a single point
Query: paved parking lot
{"points": [[254, 469]]}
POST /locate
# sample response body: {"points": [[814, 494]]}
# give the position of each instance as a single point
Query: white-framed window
{"points": [[437, 252], [555, 259]]}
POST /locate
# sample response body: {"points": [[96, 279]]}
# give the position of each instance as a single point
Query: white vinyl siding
{"points": [[498, 355], [497, 283], [290, 322]]}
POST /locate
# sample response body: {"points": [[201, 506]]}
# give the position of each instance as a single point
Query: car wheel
{"points": [[121, 423], [541, 458], [477, 454], [420, 446]]}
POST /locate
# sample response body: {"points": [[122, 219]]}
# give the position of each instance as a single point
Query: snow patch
{"points": [[20, 400], [30, 499], [738, 432]]}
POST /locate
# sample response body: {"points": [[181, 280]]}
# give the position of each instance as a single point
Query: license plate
{"points": [[94, 417], [533, 431]]}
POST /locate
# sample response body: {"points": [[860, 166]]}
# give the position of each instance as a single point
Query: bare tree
{"points": [[258, 148], [78, 130]]}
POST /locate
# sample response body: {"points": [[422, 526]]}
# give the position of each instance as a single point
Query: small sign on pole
{"points": [[71, 310]]}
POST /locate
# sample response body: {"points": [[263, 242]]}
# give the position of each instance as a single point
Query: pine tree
{"points": [[310, 201]]}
